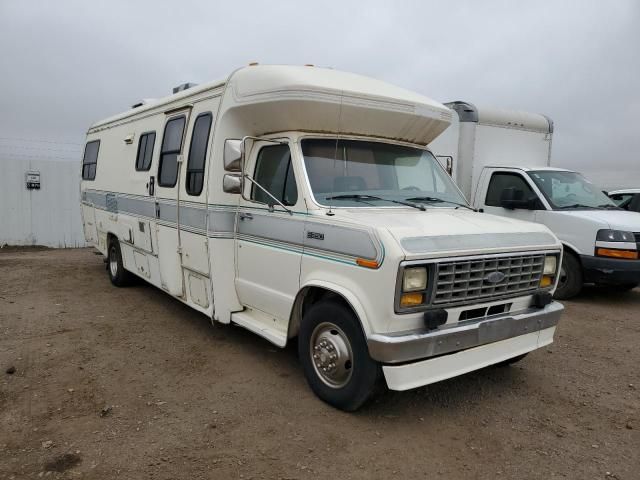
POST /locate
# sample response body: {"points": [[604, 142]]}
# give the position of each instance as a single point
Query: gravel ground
{"points": [[129, 383]]}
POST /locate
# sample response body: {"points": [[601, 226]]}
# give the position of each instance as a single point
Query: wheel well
{"points": [[568, 249], [306, 298]]}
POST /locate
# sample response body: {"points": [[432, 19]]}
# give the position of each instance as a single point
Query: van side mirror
{"points": [[232, 183], [233, 153], [513, 197]]}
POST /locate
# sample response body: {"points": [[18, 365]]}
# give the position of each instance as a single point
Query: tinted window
{"points": [[198, 153], [171, 147], [500, 181], [90, 160], [275, 173], [145, 151]]}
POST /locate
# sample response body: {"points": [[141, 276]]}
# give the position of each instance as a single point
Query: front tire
{"points": [[117, 273], [335, 358], [571, 280]]}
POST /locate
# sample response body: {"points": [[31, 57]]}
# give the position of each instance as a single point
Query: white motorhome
{"points": [[302, 202], [501, 161]]}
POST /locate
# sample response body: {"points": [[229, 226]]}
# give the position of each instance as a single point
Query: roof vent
{"points": [[183, 87], [142, 102]]}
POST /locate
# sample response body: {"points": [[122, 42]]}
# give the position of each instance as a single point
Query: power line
{"points": [[50, 149], [40, 141], [37, 157]]}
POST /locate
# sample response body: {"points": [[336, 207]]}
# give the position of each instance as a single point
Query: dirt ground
{"points": [[129, 383]]}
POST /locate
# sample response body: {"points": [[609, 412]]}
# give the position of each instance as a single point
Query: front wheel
{"points": [[335, 358], [570, 281]]}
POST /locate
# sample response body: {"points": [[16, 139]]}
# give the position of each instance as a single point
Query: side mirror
{"points": [[233, 152], [512, 197], [232, 183]]}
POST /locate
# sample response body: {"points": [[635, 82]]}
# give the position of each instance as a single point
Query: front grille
{"points": [[464, 281], [637, 236]]}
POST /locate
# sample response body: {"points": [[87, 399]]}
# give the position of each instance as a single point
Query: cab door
{"points": [[167, 199], [494, 185], [269, 239]]}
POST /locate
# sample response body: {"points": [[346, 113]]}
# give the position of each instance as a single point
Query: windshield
{"points": [[567, 190], [358, 173]]}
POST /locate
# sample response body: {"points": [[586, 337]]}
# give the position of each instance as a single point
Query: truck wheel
{"points": [[335, 358], [570, 281], [117, 274]]}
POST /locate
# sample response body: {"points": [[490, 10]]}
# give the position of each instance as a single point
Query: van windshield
{"points": [[356, 173], [570, 190]]}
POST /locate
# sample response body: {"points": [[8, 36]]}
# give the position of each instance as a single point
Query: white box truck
{"points": [[302, 202], [501, 161]]}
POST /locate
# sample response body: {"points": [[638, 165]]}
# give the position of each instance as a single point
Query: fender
{"points": [[349, 296]]}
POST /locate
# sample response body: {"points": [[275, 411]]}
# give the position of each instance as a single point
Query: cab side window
{"points": [[274, 172], [501, 180], [171, 148]]}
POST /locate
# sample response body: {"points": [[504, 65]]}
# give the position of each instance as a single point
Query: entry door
{"points": [[166, 194], [497, 182], [269, 241]]}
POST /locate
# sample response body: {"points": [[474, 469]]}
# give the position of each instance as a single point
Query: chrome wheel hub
{"points": [[331, 355], [113, 263]]}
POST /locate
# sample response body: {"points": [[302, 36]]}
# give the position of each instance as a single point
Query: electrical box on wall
{"points": [[32, 178]]}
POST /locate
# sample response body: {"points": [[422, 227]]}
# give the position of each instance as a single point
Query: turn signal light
{"points": [[546, 281], [609, 252], [411, 299], [363, 262]]}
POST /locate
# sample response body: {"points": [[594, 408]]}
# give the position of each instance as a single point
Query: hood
{"points": [[614, 219], [442, 231]]}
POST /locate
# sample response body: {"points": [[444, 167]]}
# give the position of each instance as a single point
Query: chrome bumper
{"points": [[418, 345]]}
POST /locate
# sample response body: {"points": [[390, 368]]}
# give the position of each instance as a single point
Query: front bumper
{"points": [[613, 271], [419, 345]]}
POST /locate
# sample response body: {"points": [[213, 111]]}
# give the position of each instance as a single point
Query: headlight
{"points": [[549, 271], [550, 265], [615, 236], [414, 279], [616, 244]]}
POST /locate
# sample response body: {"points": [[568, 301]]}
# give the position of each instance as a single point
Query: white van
{"points": [[501, 161], [302, 202]]}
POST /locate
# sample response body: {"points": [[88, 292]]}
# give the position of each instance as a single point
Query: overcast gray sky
{"points": [[66, 64]]}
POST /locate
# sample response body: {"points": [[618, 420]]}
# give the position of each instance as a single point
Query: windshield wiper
{"points": [[440, 200], [576, 205], [359, 197], [608, 206]]}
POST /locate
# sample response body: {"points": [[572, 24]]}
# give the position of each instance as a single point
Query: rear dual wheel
{"points": [[335, 358], [117, 273]]}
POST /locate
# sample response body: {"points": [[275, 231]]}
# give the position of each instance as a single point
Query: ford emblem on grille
{"points": [[494, 277]]}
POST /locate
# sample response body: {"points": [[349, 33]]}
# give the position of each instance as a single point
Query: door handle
{"points": [[151, 186], [245, 216]]}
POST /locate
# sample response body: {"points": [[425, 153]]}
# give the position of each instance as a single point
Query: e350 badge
{"points": [[315, 235]]}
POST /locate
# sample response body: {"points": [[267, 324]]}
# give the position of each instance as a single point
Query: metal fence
{"points": [[48, 215]]}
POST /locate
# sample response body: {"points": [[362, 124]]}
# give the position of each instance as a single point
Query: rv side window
{"points": [[198, 153], [274, 172], [145, 151], [90, 160], [171, 147], [500, 181]]}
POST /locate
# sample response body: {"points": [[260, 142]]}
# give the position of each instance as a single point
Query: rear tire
{"points": [[571, 280], [335, 358], [117, 273]]}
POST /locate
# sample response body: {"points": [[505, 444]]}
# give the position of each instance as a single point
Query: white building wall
{"points": [[49, 216]]}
